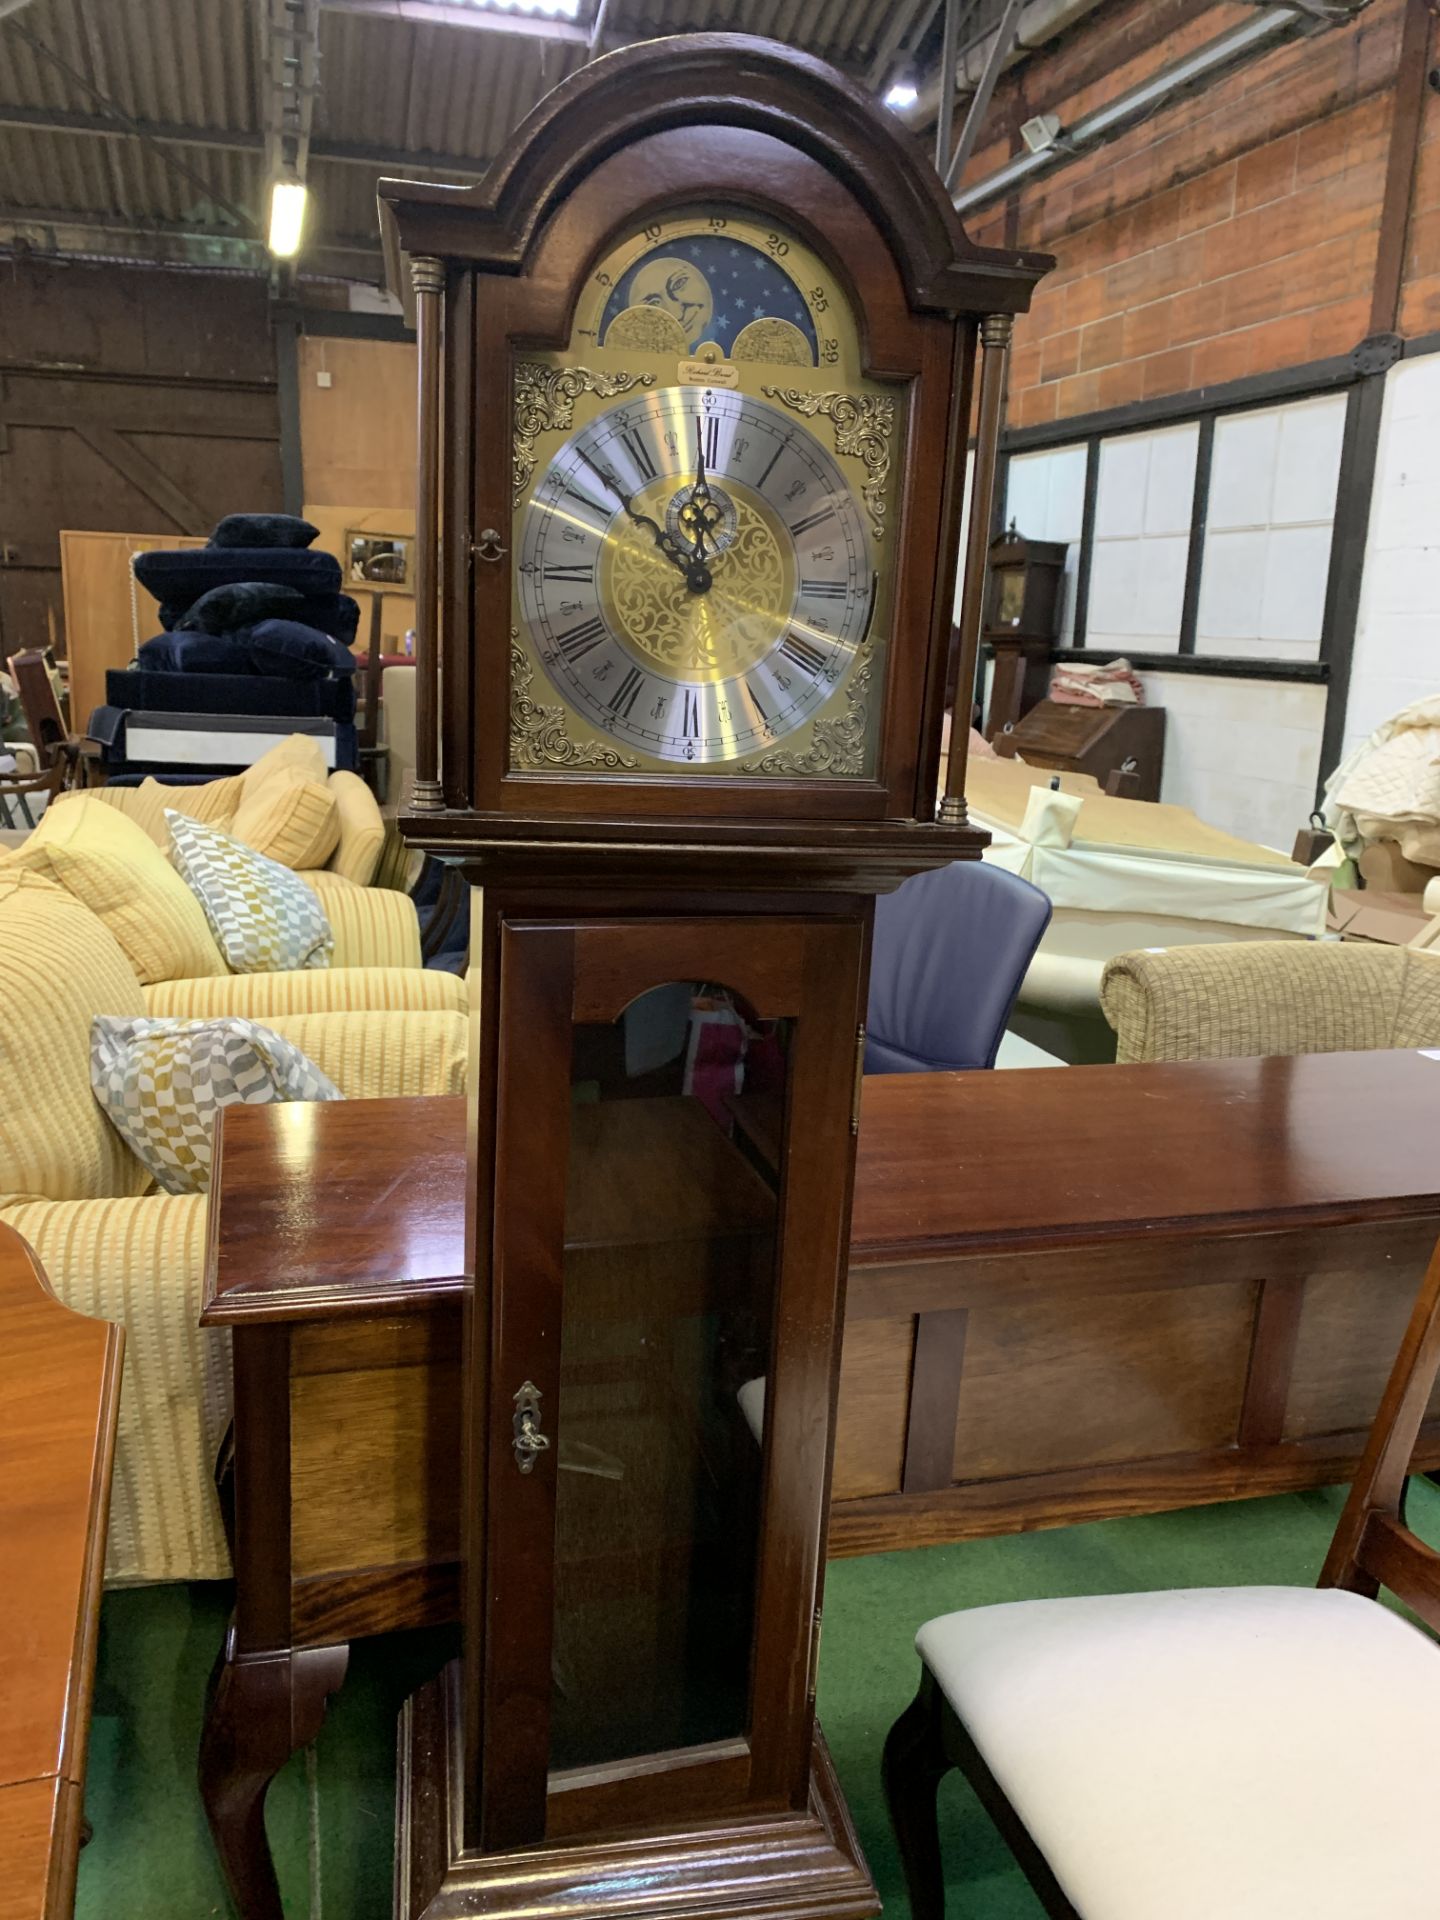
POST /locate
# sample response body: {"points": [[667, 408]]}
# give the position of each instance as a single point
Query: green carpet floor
{"points": [[150, 1858]]}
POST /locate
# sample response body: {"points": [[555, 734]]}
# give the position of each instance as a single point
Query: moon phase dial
{"points": [[714, 662]]}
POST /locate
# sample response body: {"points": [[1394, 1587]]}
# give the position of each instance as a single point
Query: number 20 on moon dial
{"points": [[695, 574]]}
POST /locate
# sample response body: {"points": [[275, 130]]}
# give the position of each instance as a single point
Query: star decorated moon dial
{"points": [[695, 574]]}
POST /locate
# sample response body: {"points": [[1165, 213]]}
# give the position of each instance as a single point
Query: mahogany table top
{"points": [[59, 1400], [324, 1212]]}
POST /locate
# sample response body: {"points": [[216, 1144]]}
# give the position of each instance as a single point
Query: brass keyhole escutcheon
{"points": [[528, 1440], [489, 546]]}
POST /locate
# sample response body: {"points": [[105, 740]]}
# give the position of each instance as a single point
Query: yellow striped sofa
{"points": [[111, 1245], [327, 827]]}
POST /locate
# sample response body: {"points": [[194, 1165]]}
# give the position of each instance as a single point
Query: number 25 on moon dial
{"points": [[695, 574]]}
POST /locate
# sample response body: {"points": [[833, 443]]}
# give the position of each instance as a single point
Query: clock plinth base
{"points": [[749, 1866]]}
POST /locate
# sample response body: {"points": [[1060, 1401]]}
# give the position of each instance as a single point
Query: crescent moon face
{"points": [[680, 289]]}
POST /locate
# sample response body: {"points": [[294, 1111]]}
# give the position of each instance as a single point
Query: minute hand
{"points": [[682, 557]]}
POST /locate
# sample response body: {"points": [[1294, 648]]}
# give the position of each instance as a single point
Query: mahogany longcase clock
{"points": [[695, 379]]}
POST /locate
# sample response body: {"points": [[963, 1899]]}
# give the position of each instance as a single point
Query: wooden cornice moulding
{"points": [[718, 79]]}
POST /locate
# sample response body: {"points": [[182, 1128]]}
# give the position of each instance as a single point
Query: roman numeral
{"points": [[690, 714], [757, 702], [800, 653], [811, 520], [821, 589], [707, 433], [639, 454], [773, 458], [580, 575], [575, 644], [625, 695]]}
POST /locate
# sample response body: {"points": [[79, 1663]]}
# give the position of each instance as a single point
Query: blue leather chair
{"points": [[951, 948]]}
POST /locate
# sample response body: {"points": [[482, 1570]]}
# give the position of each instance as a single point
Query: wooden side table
{"points": [[59, 1402]]}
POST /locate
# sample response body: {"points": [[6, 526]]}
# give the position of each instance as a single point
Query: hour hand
{"points": [[667, 543]]}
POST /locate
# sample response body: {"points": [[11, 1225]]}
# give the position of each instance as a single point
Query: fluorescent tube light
{"points": [[287, 217]]}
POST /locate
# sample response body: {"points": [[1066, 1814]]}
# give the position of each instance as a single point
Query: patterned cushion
{"points": [[110, 865], [266, 920], [291, 818], [161, 1083], [58, 968]]}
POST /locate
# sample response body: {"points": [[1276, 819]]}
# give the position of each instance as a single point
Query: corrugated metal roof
{"points": [[386, 85]]}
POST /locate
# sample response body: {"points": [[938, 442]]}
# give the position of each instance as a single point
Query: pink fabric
{"points": [[1079, 684]]}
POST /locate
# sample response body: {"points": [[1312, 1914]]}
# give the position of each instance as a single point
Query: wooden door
{"points": [[661, 1348]]}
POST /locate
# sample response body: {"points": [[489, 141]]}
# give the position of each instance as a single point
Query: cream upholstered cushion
{"points": [[59, 966], [110, 865], [296, 750], [264, 916], [361, 829], [1224, 1753], [292, 818], [269, 996], [1259, 997], [161, 1082], [213, 801]]}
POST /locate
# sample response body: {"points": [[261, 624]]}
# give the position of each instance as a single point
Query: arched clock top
{"points": [[715, 80]]}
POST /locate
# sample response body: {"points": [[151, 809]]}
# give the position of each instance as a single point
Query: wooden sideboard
{"points": [[1073, 1293], [59, 1401]]}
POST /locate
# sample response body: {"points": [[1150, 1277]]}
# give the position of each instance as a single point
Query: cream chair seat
{"points": [[1227, 1753]]}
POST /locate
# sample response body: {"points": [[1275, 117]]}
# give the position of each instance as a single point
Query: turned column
{"points": [[995, 331], [428, 278]]}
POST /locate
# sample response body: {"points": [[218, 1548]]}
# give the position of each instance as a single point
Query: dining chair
{"points": [[950, 950], [50, 734], [1215, 1751]]}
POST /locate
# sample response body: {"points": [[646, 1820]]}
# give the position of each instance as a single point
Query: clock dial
{"points": [[695, 574], [702, 482]]}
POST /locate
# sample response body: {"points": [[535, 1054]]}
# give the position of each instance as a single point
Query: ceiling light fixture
{"points": [[901, 96], [287, 217], [549, 9]]}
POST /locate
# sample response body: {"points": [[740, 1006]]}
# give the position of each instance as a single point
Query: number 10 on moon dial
{"points": [[695, 575]]}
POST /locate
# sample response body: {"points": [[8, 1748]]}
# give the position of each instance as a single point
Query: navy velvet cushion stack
{"points": [[255, 600]]}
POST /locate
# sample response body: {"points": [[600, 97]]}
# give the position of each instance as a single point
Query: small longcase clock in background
{"points": [[696, 364]]}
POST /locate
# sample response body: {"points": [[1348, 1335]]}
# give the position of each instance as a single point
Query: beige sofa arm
{"points": [[141, 1262], [269, 996], [378, 1056], [1252, 998]]}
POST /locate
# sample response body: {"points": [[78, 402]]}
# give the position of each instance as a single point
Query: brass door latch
{"points": [[528, 1439]]}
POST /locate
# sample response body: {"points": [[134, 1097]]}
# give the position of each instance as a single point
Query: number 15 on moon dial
{"points": [[695, 575]]}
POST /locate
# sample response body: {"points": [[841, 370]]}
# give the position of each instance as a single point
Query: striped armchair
{"points": [[115, 1248], [1261, 997]]}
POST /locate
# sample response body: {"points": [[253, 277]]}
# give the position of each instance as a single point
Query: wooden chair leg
{"points": [[913, 1766]]}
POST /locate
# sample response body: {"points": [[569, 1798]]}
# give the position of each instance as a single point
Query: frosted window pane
{"points": [[1242, 472]]}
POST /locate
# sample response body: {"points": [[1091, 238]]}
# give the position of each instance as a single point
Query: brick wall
{"points": [[1233, 233]]}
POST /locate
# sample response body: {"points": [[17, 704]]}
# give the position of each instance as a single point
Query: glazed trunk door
{"points": [[665, 1310]]}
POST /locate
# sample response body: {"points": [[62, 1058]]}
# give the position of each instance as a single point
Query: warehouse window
{"points": [[1209, 537]]}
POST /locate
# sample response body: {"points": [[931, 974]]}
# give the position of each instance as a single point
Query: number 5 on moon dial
{"points": [[695, 575]]}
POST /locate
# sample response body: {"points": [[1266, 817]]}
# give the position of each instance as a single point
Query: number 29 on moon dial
{"points": [[695, 574]]}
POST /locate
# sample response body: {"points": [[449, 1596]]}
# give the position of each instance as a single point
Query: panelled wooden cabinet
{"points": [[695, 379]]}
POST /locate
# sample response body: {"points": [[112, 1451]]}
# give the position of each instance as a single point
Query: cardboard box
{"points": [[1383, 918]]}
